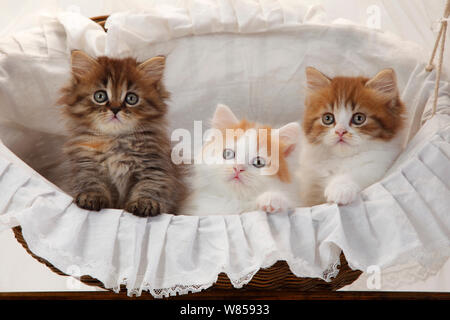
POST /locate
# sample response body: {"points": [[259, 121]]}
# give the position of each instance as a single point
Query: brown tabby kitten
{"points": [[118, 148]]}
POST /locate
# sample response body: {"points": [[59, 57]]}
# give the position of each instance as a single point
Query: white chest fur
{"points": [[319, 166]]}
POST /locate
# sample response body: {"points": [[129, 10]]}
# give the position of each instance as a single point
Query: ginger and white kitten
{"points": [[240, 172], [352, 133]]}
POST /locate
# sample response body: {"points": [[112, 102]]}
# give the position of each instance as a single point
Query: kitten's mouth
{"points": [[236, 178], [341, 141], [115, 119]]}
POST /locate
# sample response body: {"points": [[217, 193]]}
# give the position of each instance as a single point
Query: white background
{"points": [[411, 19]]}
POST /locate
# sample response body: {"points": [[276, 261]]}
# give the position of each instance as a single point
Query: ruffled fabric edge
{"points": [[55, 229], [48, 219], [264, 251]]}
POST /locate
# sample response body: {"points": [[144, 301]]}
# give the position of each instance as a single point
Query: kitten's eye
{"points": [[327, 119], [358, 118], [100, 96], [258, 162], [228, 154], [131, 98]]}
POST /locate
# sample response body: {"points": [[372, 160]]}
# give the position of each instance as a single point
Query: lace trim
{"points": [[159, 293], [409, 269], [45, 249], [332, 271], [180, 289], [405, 270], [239, 283], [419, 266]]}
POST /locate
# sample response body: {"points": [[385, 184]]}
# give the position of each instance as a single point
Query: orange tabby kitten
{"points": [[352, 134]]}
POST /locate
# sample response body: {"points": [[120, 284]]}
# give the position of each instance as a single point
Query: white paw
{"points": [[272, 202], [341, 192]]}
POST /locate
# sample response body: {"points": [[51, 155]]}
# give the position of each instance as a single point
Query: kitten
{"points": [[241, 173], [352, 133], [118, 146]]}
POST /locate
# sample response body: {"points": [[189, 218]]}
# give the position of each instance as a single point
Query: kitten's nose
{"points": [[340, 131], [115, 110]]}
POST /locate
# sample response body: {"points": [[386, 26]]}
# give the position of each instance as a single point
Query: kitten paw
{"points": [[272, 202], [144, 207], [341, 192], [92, 201]]}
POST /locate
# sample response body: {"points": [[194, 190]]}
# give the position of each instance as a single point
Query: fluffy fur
{"points": [[232, 186], [342, 154], [119, 149]]}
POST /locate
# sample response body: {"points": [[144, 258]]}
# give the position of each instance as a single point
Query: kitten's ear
{"points": [[153, 68], [316, 80], [289, 137], [385, 82], [223, 118], [82, 63]]}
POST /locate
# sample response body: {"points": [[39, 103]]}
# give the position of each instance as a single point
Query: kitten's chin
{"points": [[114, 127], [342, 149], [237, 184]]}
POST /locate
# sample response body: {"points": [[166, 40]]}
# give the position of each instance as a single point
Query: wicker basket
{"points": [[278, 277]]}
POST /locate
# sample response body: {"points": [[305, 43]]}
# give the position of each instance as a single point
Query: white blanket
{"points": [[250, 55]]}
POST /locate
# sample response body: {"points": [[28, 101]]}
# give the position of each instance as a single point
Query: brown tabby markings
{"points": [[122, 163]]}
